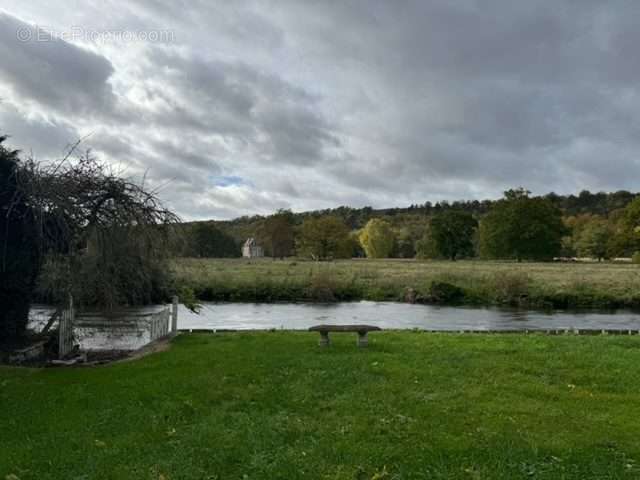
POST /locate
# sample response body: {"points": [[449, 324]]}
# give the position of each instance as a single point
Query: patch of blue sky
{"points": [[227, 180]]}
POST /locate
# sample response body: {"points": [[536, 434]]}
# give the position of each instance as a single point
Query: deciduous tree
{"points": [[276, 233], [522, 227], [452, 233], [20, 250], [377, 238], [627, 234], [108, 229], [592, 240], [205, 239], [324, 238]]}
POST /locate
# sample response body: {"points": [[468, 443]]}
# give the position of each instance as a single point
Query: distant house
{"points": [[251, 249]]}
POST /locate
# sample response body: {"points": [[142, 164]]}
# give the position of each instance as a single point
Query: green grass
{"points": [[276, 406], [553, 285]]}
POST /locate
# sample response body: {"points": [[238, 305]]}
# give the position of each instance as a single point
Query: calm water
{"points": [[300, 316], [247, 316], [242, 316]]}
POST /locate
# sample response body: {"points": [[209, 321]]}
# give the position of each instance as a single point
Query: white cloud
{"points": [[313, 105]]}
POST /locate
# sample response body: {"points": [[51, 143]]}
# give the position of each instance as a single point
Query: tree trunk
{"points": [[19, 253], [18, 273], [20, 262], [17, 285], [14, 317]]}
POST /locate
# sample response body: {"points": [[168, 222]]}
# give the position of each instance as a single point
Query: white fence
{"points": [[159, 324], [128, 329], [65, 330]]}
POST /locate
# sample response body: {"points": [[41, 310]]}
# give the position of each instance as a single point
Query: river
{"points": [[388, 315], [392, 315]]}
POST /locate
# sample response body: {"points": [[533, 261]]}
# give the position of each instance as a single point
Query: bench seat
{"points": [[361, 330]]}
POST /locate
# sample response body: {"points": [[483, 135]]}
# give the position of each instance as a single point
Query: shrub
{"points": [[442, 292], [322, 287], [511, 287]]}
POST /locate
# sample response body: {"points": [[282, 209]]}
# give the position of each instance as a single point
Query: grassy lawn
{"points": [[275, 406], [559, 285]]}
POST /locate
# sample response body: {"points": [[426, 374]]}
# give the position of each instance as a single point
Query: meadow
{"points": [[535, 285], [275, 405]]}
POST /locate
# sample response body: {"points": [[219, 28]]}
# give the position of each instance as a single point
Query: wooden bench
{"points": [[361, 330]]}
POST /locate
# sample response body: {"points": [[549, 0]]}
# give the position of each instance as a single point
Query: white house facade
{"points": [[251, 249]]}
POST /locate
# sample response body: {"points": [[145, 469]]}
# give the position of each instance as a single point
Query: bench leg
{"points": [[324, 339], [363, 339]]}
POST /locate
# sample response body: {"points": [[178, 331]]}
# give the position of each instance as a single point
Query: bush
{"points": [[511, 288], [442, 292], [322, 287]]}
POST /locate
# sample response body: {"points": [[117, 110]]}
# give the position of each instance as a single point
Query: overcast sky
{"points": [[243, 107]]}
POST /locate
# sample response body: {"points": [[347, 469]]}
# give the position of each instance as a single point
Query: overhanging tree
{"points": [[20, 249], [106, 231]]}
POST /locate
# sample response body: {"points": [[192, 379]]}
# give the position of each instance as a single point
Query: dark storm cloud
{"points": [[316, 104], [51, 71], [235, 99], [36, 136]]}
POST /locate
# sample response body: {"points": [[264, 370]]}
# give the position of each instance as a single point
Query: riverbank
{"points": [[274, 405], [527, 285]]}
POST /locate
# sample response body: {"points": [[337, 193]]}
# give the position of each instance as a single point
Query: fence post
{"points": [[65, 329], [174, 315]]}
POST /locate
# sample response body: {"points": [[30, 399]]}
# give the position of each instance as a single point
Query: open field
{"points": [[276, 406], [560, 285]]}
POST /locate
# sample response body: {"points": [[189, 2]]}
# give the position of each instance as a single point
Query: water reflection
{"points": [[390, 315], [238, 316]]}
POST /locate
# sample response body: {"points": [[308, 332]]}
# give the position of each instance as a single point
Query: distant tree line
{"points": [[518, 226], [205, 239]]}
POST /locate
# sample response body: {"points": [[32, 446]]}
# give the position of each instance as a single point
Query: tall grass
{"points": [[536, 285]]}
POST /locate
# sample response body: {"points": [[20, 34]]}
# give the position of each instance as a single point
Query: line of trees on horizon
{"points": [[518, 226]]}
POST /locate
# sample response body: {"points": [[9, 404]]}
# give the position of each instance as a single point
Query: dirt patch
{"points": [[161, 345], [91, 359]]}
